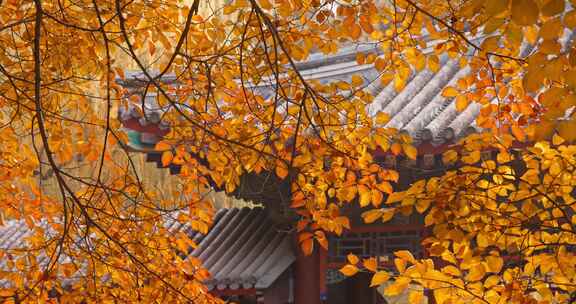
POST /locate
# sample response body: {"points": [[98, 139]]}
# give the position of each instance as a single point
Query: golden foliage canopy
{"points": [[502, 231]]}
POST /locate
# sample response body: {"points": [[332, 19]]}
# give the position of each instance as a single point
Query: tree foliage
{"points": [[499, 230]]}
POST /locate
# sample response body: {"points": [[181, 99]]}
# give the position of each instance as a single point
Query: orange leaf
{"points": [[371, 264], [376, 197], [379, 278], [281, 171], [162, 146], [321, 238], [372, 215], [461, 103], [524, 12], [405, 255], [357, 80], [166, 158], [349, 270], [450, 92], [352, 259], [518, 133], [308, 246], [410, 151], [304, 236], [396, 148]]}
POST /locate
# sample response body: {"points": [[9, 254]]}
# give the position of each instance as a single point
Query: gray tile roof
{"points": [[419, 107], [243, 249]]}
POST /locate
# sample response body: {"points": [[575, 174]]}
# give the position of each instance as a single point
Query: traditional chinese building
{"points": [[231, 250]]}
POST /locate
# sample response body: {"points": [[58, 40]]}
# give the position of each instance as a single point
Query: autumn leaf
{"points": [[410, 151], [524, 12], [553, 7], [307, 246], [494, 263], [449, 92], [379, 278], [357, 80], [349, 270], [476, 273], [396, 288], [281, 171], [352, 259], [461, 103], [372, 215], [382, 118], [166, 158], [371, 264], [405, 255], [557, 140]]}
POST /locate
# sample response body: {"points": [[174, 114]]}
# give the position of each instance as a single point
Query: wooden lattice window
{"points": [[374, 244]]}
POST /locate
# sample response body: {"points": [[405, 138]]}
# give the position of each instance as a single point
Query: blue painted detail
{"points": [[134, 139]]}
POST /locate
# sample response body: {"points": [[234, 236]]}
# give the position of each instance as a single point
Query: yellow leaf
{"points": [[387, 215], [518, 133], [371, 264], [450, 92], [385, 187], [433, 63], [494, 263], [376, 197], [397, 287], [476, 273], [415, 296], [405, 255], [395, 197], [531, 34], [472, 157], [386, 78], [557, 140], [491, 281], [570, 19], [400, 265], [451, 270], [449, 156], [553, 7], [265, 4], [461, 102], [551, 29], [197, 19], [399, 82], [321, 238], [524, 12], [352, 259], [382, 118], [349, 270], [422, 205], [379, 278], [357, 80], [365, 195], [566, 130], [166, 158], [410, 151], [371, 216], [495, 7]]}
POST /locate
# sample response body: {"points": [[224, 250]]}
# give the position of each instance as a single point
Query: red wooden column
{"points": [[307, 278]]}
